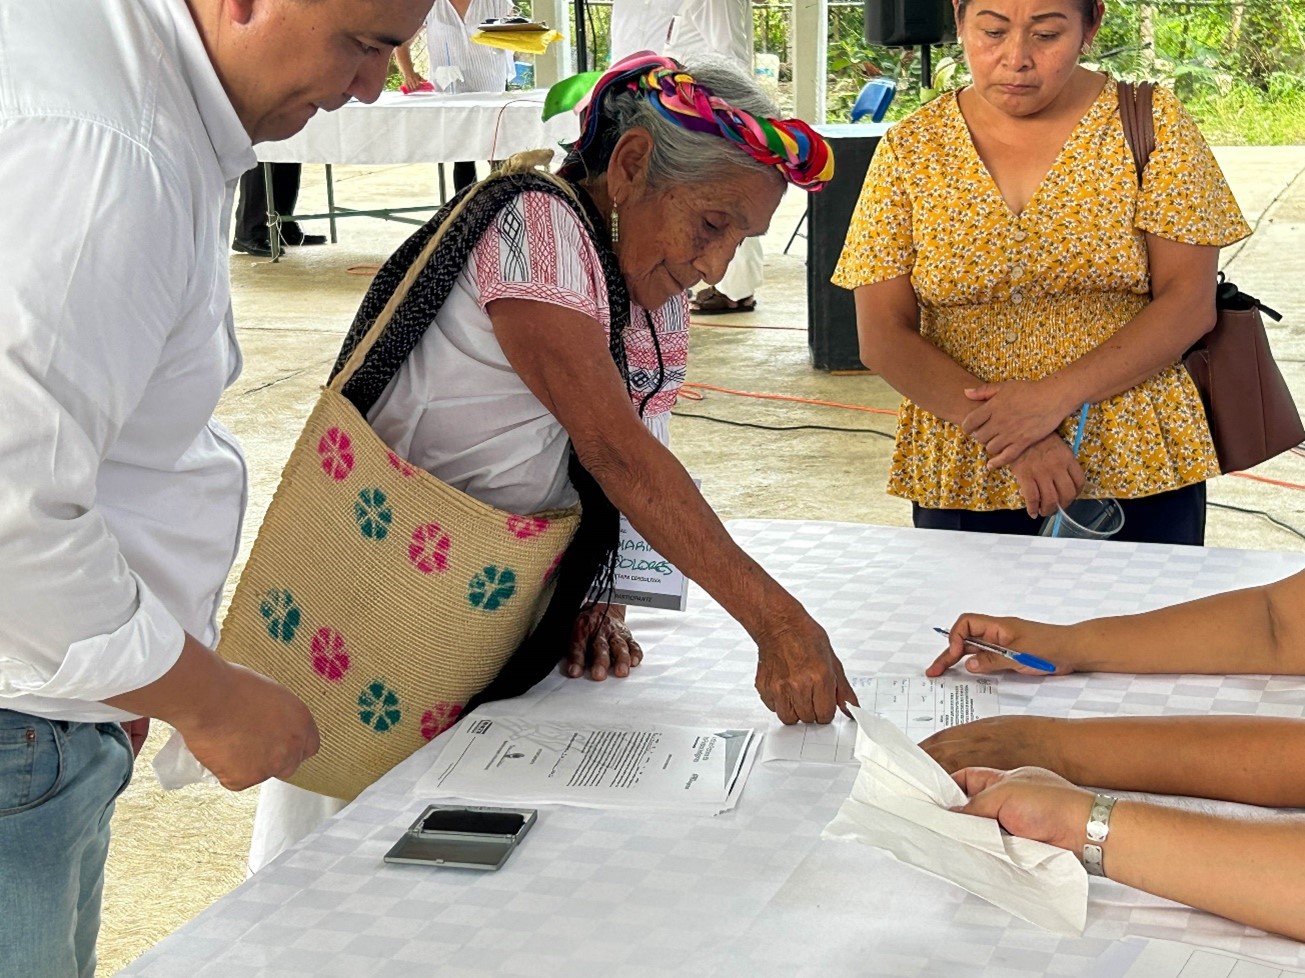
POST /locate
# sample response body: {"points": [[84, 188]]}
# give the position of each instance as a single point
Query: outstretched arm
{"points": [[563, 357], [1253, 760], [1248, 870], [1258, 630]]}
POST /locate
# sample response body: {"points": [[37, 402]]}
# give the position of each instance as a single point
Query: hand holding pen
{"points": [[987, 642]]}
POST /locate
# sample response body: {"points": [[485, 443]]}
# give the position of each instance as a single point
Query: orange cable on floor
{"points": [[698, 322], [1265, 478], [791, 397]]}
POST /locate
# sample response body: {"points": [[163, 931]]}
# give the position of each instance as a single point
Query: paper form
{"points": [[916, 705], [1171, 959], [496, 756]]}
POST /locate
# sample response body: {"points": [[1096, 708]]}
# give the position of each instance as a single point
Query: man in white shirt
{"points": [[120, 498]]}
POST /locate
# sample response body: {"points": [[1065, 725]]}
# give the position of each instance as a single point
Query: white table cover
{"points": [[426, 128], [755, 892]]}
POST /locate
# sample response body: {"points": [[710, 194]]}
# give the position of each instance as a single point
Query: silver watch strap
{"points": [[1098, 827]]}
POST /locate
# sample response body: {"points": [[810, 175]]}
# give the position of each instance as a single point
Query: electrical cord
{"points": [[1259, 512], [771, 427]]}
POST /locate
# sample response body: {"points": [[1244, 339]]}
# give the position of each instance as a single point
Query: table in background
{"points": [[421, 128], [754, 892]]}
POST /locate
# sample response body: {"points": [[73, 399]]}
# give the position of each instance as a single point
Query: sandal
{"points": [[712, 302]]}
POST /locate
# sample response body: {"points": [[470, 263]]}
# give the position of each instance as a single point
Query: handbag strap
{"points": [[414, 283], [1139, 125]]}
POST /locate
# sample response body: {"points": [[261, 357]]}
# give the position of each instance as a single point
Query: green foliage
{"points": [[1238, 66]]}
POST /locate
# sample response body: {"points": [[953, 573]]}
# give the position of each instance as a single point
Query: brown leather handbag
{"points": [[1249, 408]]}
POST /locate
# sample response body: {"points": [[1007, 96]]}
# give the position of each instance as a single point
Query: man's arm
{"points": [[90, 294]]}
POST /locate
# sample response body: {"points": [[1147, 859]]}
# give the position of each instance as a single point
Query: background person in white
{"points": [[721, 27], [449, 27], [640, 25], [120, 498]]}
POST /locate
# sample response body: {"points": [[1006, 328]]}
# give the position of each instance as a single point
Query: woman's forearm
{"points": [[1252, 760], [1141, 348], [648, 484], [887, 317], [1181, 311], [1227, 633], [1251, 871]]}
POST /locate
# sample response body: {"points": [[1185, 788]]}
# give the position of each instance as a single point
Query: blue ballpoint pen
{"points": [[1023, 658]]}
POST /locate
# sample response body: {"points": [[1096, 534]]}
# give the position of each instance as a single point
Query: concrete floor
{"points": [[292, 316]]}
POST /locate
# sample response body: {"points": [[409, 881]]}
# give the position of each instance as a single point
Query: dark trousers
{"points": [[251, 206], [464, 174], [1177, 516]]}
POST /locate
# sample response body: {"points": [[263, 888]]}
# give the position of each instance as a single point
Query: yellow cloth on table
{"points": [[1019, 296], [524, 42]]}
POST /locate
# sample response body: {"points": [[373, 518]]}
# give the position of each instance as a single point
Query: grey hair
{"points": [[680, 155]]}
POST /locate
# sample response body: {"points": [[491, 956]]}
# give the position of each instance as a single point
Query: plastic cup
{"points": [[1085, 519]]}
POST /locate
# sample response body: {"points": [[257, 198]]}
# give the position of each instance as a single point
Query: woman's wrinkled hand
{"points": [[613, 649], [1028, 802], [1010, 633], [1048, 475], [1010, 417], [799, 677], [997, 742]]}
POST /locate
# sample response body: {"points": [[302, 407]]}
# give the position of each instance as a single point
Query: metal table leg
{"points": [[273, 218]]}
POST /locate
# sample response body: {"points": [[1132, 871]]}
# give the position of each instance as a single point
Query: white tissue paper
{"points": [[177, 767], [901, 803], [446, 76]]}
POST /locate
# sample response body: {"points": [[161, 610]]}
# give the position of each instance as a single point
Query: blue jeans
{"points": [[58, 782]]}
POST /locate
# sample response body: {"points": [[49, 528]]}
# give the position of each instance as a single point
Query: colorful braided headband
{"points": [[790, 145]]}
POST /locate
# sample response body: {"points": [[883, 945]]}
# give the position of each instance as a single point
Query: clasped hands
{"points": [[1016, 423]]}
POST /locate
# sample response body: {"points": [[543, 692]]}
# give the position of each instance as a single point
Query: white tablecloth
{"points": [[754, 892], [425, 128]]}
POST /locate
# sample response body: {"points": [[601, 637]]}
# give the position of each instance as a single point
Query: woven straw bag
{"points": [[380, 596]]}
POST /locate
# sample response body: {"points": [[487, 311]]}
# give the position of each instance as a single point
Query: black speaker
{"points": [[906, 23], [831, 311]]}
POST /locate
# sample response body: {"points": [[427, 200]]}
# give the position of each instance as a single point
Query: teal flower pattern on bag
{"points": [[490, 589], [378, 706], [373, 514], [282, 615]]}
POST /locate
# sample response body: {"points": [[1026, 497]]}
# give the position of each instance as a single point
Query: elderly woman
{"points": [[555, 317]]}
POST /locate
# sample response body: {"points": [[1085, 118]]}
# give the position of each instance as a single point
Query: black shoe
{"points": [[260, 248], [293, 235]]}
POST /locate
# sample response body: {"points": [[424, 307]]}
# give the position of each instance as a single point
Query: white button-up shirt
{"points": [[448, 42], [120, 497]]}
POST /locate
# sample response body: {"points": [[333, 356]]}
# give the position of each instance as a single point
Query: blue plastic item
{"points": [[873, 100]]}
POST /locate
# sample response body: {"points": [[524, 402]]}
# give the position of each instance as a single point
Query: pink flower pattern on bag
{"points": [[525, 527], [439, 718], [330, 657], [400, 466], [429, 549], [336, 451], [552, 568]]}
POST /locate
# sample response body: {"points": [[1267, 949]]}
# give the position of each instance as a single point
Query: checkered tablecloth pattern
{"points": [[756, 891]]}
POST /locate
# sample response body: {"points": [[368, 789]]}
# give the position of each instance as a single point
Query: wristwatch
{"points": [[1098, 827]]}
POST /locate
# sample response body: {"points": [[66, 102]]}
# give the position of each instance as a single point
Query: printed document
{"points": [[916, 705], [496, 756]]}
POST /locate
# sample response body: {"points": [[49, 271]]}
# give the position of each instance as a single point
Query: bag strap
{"points": [[1139, 124], [417, 279]]}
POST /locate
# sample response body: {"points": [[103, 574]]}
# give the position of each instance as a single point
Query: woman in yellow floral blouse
{"points": [[1007, 269]]}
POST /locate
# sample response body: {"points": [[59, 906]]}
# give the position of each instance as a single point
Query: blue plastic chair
{"points": [[874, 99]]}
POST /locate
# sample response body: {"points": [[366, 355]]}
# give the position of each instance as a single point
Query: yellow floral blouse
{"points": [[1012, 296]]}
